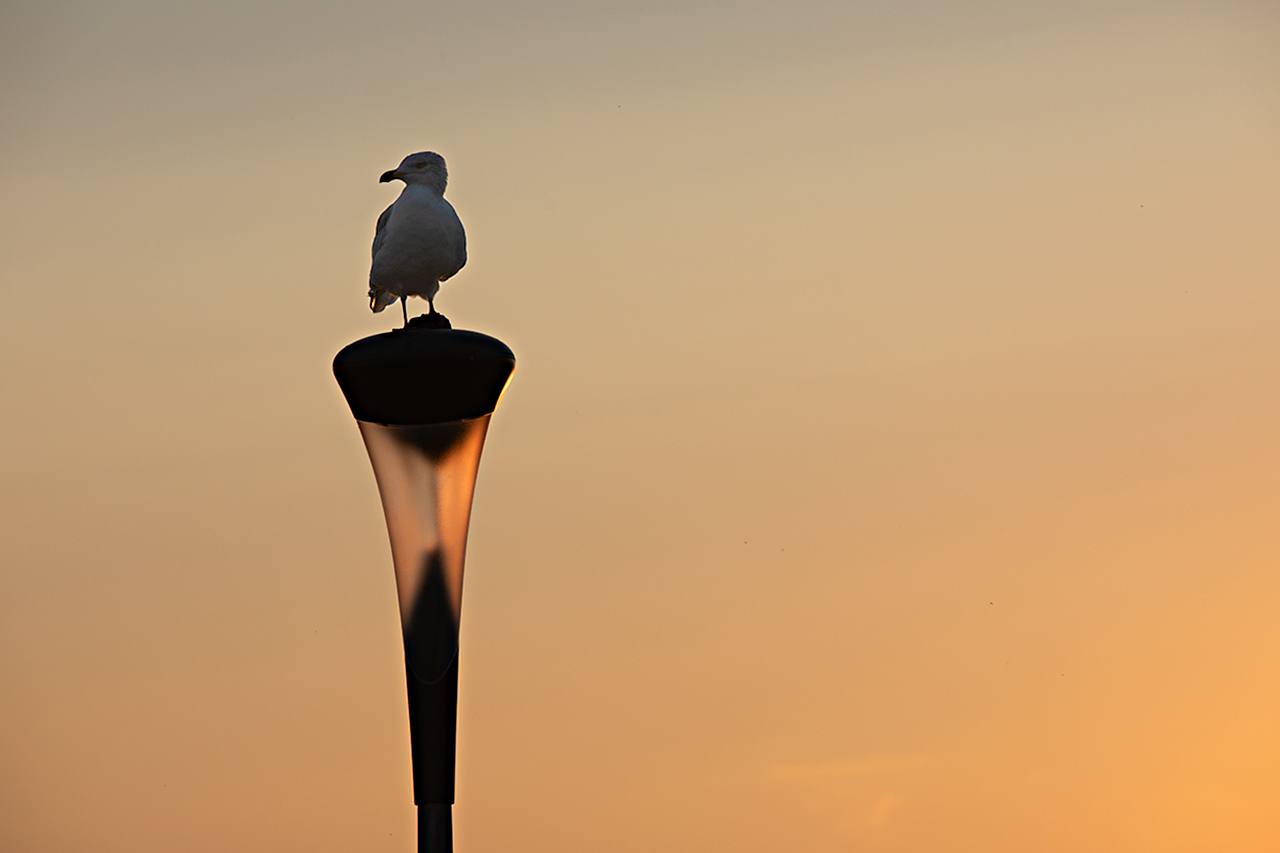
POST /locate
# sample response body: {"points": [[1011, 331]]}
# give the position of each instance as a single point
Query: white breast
{"points": [[423, 243]]}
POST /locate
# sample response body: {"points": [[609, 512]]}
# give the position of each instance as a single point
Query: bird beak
{"points": [[388, 176]]}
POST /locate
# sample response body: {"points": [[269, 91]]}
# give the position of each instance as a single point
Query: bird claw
{"points": [[434, 320]]}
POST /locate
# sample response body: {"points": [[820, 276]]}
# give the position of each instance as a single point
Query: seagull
{"points": [[419, 241]]}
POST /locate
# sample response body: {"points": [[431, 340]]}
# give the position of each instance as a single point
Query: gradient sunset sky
{"points": [[892, 462]]}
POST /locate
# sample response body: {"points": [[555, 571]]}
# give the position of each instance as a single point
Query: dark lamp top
{"points": [[423, 376]]}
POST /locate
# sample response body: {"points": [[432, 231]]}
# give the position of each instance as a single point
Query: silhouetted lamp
{"points": [[423, 397]]}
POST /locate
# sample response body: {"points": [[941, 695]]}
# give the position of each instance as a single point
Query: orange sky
{"points": [[890, 463]]}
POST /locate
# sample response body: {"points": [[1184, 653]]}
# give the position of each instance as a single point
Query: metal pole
{"points": [[435, 828], [423, 396]]}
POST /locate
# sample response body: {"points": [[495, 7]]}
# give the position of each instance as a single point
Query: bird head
{"points": [[424, 169]]}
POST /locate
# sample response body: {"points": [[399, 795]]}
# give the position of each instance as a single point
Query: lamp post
{"points": [[422, 397]]}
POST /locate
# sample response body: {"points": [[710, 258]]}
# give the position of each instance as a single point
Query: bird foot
{"points": [[434, 320]]}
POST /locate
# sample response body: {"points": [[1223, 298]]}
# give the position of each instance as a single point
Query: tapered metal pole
{"points": [[423, 397]]}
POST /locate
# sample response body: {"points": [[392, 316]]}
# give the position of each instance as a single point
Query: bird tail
{"points": [[380, 299]]}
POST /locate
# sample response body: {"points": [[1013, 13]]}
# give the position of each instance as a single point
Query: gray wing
{"points": [[382, 225], [460, 248]]}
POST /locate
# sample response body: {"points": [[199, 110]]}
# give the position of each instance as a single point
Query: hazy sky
{"points": [[891, 462]]}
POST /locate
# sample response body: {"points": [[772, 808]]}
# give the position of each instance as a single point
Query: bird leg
{"points": [[404, 309], [431, 305]]}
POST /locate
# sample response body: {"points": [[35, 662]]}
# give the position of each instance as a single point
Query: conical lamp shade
{"points": [[423, 399]]}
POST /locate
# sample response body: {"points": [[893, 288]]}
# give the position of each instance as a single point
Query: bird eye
{"points": [[419, 165]]}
